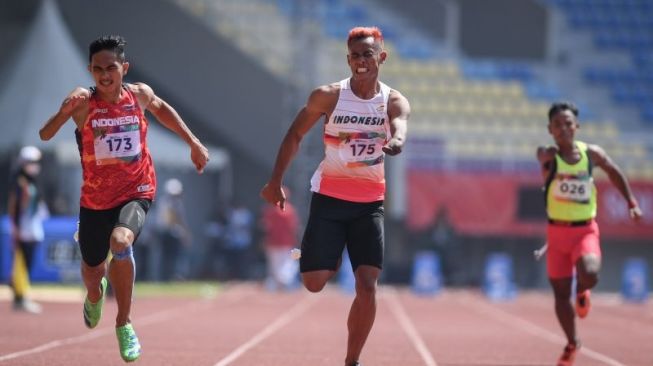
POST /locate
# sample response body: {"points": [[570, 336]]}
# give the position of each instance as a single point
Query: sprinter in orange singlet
{"points": [[118, 177], [365, 120]]}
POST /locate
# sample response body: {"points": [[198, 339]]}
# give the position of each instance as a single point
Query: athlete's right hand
{"points": [[274, 194], [71, 103], [635, 213]]}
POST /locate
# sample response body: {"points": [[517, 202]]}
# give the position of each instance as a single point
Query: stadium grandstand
{"points": [[479, 81]]}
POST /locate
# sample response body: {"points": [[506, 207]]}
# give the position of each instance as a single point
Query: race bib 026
{"points": [[573, 189]]}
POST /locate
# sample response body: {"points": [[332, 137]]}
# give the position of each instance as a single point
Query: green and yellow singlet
{"points": [[570, 190]]}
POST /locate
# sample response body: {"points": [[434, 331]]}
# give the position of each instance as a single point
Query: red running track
{"points": [[245, 325]]}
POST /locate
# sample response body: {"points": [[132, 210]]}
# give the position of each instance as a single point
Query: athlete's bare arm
{"points": [[546, 155], [320, 103], [601, 159], [169, 117], [398, 112], [75, 105]]}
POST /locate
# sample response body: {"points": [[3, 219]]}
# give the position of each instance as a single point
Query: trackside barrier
{"points": [[498, 283], [634, 280], [427, 273]]}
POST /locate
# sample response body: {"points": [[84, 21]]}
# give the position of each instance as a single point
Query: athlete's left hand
{"points": [[393, 147], [273, 193], [199, 154]]}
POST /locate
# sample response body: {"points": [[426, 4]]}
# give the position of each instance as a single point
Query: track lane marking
{"points": [[529, 327], [153, 318], [408, 327], [273, 327]]}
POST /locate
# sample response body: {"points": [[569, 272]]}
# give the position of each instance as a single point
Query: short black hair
{"points": [[558, 107], [112, 43]]}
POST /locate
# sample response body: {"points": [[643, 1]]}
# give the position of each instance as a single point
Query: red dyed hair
{"points": [[364, 32]]}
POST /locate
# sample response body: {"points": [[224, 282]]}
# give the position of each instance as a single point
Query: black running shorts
{"points": [[95, 227], [334, 224]]}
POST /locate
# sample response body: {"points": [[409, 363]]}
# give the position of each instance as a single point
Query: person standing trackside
{"points": [[27, 210], [365, 121], [173, 232], [280, 235], [119, 181], [572, 232]]}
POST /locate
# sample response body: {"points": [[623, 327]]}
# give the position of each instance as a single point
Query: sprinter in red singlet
{"points": [[365, 120], [118, 177]]}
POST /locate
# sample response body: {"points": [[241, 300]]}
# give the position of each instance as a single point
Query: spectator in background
{"points": [[174, 235], [214, 231], [238, 241], [27, 210], [280, 233]]}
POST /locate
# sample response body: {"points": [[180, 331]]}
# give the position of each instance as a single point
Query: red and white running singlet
{"points": [[116, 163], [357, 129]]}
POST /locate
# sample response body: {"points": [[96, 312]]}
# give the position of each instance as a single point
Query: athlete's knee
{"points": [[589, 264], [366, 291], [121, 241], [315, 282], [587, 270], [366, 281], [314, 285]]}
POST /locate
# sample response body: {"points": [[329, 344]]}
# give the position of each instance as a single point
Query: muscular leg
{"points": [[314, 281], [564, 308], [92, 277], [587, 270], [363, 311], [122, 272]]}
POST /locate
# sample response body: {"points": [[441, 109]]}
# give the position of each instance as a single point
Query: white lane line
{"points": [[527, 326], [157, 317], [279, 323], [409, 328], [57, 343]]}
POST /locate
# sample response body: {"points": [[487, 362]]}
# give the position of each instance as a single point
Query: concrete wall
{"points": [[493, 29], [429, 16]]}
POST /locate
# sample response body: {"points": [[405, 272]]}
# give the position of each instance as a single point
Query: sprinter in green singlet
{"points": [[572, 233]]}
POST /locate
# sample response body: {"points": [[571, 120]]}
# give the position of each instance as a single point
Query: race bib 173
{"points": [[115, 147]]}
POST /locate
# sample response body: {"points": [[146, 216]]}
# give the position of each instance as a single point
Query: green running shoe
{"points": [[130, 348], [93, 312]]}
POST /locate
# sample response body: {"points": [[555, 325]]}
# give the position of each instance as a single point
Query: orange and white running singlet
{"points": [[116, 163], [357, 129]]}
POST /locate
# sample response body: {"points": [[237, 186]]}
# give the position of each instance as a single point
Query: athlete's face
{"points": [[107, 70], [563, 127], [364, 57], [32, 169]]}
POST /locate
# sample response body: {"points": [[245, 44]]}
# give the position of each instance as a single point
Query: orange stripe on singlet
{"points": [[352, 189]]}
